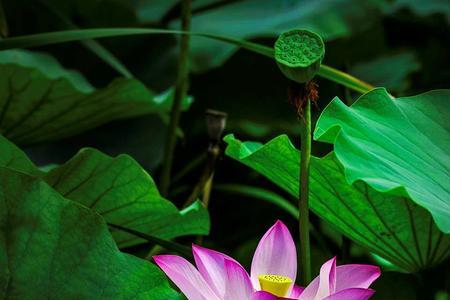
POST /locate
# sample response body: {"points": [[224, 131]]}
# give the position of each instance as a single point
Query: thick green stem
{"points": [[305, 156], [180, 92]]}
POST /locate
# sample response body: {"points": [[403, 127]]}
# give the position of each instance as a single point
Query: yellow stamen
{"points": [[275, 284]]}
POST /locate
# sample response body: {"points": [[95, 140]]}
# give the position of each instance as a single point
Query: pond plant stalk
{"points": [[346, 242], [181, 88], [305, 252], [215, 125], [206, 181], [301, 96], [299, 54]]}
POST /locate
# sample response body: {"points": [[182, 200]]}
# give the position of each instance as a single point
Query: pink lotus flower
{"points": [[273, 273]]}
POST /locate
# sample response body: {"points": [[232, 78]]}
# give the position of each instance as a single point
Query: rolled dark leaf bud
{"points": [[215, 124], [299, 53]]}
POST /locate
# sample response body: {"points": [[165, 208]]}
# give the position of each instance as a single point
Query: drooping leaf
{"points": [[390, 71], [391, 226], [41, 101], [54, 248], [116, 188], [268, 18], [400, 146]]}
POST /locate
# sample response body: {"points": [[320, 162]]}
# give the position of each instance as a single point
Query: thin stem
{"points": [[207, 190], [344, 79], [205, 200], [169, 245], [208, 171], [49, 38], [305, 156], [213, 155], [180, 92]]}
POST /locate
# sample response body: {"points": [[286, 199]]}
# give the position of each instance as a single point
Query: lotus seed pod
{"points": [[299, 53]]}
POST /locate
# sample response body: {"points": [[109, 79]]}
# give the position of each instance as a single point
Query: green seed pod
{"points": [[299, 53]]}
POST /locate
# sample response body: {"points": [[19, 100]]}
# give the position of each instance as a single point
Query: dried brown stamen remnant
{"points": [[299, 94]]}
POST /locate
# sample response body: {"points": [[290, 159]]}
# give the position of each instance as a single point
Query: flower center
{"points": [[275, 284]]}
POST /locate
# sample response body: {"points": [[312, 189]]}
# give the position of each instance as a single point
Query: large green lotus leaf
{"points": [[400, 145], [124, 194], [54, 248], [391, 226], [12, 157], [268, 18], [116, 188], [40, 100]]}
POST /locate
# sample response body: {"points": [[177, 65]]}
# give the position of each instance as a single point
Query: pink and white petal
{"points": [[263, 296], [186, 277], [275, 254], [296, 291], [327, 281], [238, 284], [311, 290], [356, 276], [211, 264], [352, 294]]}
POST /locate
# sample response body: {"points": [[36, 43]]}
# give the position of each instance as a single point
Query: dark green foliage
{"points": [[54, 248], [387, 224], [41, 101], [379, 172], [116, 188]]}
